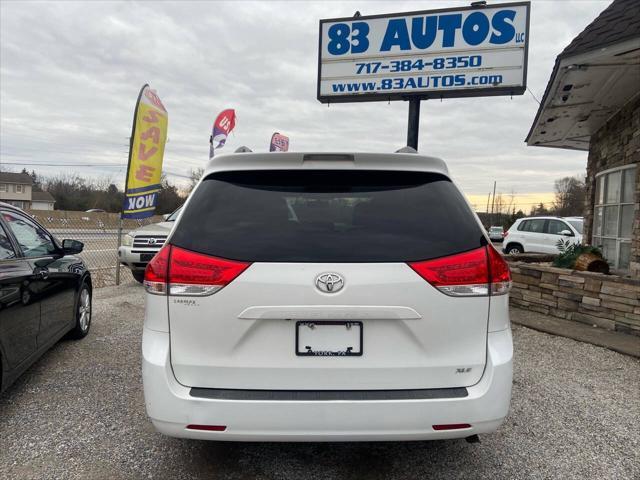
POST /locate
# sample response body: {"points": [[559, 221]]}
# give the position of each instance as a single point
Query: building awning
{"points": [[592, 79]]}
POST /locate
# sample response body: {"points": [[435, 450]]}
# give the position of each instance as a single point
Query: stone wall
{"points": [[616, 144], [607, 301]]}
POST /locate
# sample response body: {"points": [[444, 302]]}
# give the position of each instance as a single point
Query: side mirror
{"points": [[566, 233], [71, 247], [165, 216]]}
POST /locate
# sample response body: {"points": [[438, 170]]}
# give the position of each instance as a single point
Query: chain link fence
{"points": [[100, 233]]}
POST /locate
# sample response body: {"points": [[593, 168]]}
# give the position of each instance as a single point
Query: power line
{"points": [[65, 164], [534, 97], [112, 165]]}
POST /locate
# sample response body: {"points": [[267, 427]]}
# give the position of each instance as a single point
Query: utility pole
{"points": [[488, 220], [493, 202]]}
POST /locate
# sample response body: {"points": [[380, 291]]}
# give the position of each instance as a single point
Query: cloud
{"points": [[69, 77]]}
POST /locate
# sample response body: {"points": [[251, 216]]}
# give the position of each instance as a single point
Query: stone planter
{"points": [[607, 301], [590, 262]]}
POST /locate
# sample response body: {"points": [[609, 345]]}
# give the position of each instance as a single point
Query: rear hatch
{"points": [[326, 280]]}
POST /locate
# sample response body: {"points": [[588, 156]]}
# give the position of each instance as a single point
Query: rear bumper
{"points": [[172, 407]]}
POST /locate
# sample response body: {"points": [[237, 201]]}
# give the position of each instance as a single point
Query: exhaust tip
{"points": [[473, 439]]}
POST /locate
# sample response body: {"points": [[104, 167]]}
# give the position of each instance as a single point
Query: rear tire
{"points": [[82, 312], [138, 275], [514, 249]]}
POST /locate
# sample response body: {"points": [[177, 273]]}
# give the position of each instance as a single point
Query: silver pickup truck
{"points": [[139, 246]]}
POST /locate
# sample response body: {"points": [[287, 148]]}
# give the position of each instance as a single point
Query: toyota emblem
{"points": [[151, 241], [329, 282]]}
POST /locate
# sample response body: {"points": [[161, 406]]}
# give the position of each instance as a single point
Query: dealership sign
{"points": [[461, 52]]}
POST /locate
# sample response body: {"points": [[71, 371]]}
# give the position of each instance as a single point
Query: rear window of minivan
{"points": [[327, 216]]}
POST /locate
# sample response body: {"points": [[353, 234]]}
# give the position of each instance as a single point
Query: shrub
{"points": [[569, 253]]}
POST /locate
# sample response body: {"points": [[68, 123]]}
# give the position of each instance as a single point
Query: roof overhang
{"points": [[15, 182], [585, 90]]}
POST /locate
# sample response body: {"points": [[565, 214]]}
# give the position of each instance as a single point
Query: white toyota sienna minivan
{"points": [[327, 297]]}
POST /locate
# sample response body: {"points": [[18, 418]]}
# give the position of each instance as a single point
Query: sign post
{"points": [[118, 248], [473, 51], [414, 123]]}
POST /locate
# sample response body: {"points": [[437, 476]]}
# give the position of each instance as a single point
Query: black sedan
{"points": [[45, 292]]}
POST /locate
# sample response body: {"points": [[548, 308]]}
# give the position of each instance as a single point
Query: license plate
{"points": [[146, 257], [328, 339]]}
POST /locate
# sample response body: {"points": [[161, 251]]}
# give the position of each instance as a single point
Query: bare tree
{"points": [[195, 178], [169, 197], [570, 195], [503, 209], [539, 209], [74, 192]]}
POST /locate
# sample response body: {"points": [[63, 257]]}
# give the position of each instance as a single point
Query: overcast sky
{"points": [[70, 75]]}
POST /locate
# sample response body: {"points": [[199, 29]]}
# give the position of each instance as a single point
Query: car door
{"points": [[553, 235], [54, 284], [19, 312], [533, 235]]}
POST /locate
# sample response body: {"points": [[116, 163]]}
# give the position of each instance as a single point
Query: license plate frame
{"points": [[146, 257], [307, 351]]}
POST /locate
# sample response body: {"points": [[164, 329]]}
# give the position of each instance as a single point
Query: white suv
{"points": [[541, 234], [327, 297]]}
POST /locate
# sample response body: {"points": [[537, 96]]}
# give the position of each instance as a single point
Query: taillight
{"points": [[192, 273], [156, 273], [499, 274], [189, 273], [470, 274]]}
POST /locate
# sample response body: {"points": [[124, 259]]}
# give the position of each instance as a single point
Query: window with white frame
{"points": [[3, 187], [613, 214], [19, 188], [16, 203]]}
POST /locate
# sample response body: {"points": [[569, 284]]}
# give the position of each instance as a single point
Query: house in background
{"points": [[592, 103], [42, 201], [17, 189]]}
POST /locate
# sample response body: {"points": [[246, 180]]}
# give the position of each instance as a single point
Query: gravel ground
{"points": [[79, 413]]}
